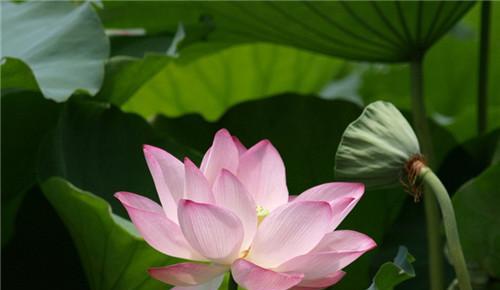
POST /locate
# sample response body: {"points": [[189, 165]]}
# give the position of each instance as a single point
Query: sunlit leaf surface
{"points": [[210, 84], [62, 43]]}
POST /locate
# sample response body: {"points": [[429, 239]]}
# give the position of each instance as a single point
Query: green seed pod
{"points": [[376, 147]]}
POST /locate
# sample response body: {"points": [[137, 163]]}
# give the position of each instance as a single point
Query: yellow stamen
{"points": [[261, 213], [244, 254]]}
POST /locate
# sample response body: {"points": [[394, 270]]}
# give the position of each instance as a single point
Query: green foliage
{"points": [[115, 258], [211, 83], [394, 273], [98, 148], [26, 118], [154, 16], [63, 45], [469, 159], [390, 31], [125, 76], [84, 150], [16, 74], [37, 223], [476, 204], [450, 80]]}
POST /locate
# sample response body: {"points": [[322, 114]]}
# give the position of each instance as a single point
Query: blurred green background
{"points": [[85, 84]]}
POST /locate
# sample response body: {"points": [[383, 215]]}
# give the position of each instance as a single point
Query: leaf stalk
{"points": [[482, 84], [434, 241]]}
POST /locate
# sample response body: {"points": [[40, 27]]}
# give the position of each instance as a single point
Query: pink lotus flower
{"points": [[234, 212]]}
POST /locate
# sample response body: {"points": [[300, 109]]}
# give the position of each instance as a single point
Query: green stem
{"points": [[434, 185], [232, 285], [418, 109], [482, 84], [434, 242]]}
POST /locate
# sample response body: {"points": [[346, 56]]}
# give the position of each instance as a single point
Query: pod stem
{"points": [[434, 186], [434, 241]]}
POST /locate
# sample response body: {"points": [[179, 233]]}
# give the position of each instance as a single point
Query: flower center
{"points": [[261, 213], [244, 254]]}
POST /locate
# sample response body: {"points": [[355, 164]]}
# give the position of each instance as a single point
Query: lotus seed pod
{"points": [[376, 147]]}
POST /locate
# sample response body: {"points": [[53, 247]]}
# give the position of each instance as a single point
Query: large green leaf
{"points": [[306, 132], [112, 253], [476, 205], [450, 78], [40, 242], [393, 273], [212, 83], [98, 148], [62, 44], [26, 119], [389, 31], [365, 30], [17, 75], [125, 76]]}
